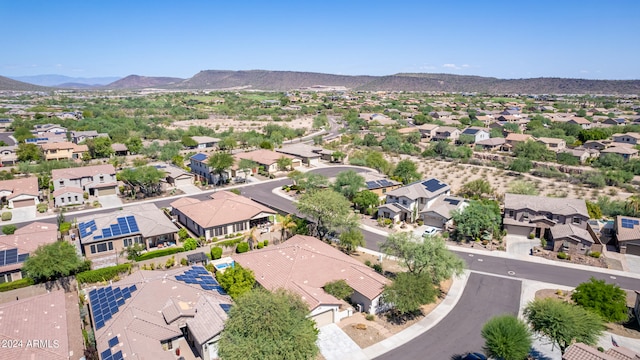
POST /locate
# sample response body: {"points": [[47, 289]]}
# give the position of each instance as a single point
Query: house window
{"points": [[511, 213], [525, 216], [5, 278], [93, 249], [384, 190], [576, 220], [76, 198], [239, 226], [102, 247], [101, 178], [220, 230], [62, 200], [61, 182]]}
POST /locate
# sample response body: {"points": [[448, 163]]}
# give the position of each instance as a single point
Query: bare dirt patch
{"points": [[221, 124]]}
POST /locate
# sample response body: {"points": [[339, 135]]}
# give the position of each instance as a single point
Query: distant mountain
{"points": [[140, 82], [62, 81], [14, 85]]}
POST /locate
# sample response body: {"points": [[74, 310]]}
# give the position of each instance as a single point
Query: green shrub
{"points": [[216, 252], [104, 274], [42, 207], [170, 262], [260, 245], [543, 243], [183, 234], [230, 243], [9, 229], [377, 268], [210, 267], [159, 253], [16, 284], [190, 244], [85, 195], [531, 235], [368, 263], [184, 262], [6, 216], [266, 242], [243, 247], [563, 256], [595, 254], [445, 234], [370, 317], [65, 227]]}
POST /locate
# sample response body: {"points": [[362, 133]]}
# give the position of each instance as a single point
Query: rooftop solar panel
{"points": [[117, 356], [133, 288], [371, 184], [433, 185], [115, 229], [113, 341], [225, 307], [124, 229], [11, 256], [199, 157], [99, 324], [105, 353], [106, 233], [2, 256]]}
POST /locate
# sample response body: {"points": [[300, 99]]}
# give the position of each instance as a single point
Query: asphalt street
{"points": [[459, 332]]}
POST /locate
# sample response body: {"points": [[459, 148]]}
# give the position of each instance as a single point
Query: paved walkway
{"points": [[335, 344]]}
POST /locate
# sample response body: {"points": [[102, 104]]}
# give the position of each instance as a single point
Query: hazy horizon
{"points": [[502, 39]]}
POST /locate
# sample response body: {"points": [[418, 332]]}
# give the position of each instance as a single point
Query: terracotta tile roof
{"points": [[262, 156], [580, 351], [29, 237], [622, 353], [417, 190], [64, 145], [560, 206], [221, 211], [40, 317], [70, 189], [518, 137], [140, 323], [304, 264], [572, 232], [625, 233], [80, 172], [491, 142], [22, 186], [624, 150], [209, 321]]}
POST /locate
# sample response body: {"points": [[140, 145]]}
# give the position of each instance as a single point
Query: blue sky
{"points": [[590, 39]]}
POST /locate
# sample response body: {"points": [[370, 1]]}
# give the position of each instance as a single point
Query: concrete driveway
{"points": [[335, 344], [23, 213], [190, 189], [520, 244], [633, 263], [110, 201]]}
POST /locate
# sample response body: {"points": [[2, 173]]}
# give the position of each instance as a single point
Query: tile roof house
{"points": [[584, 123], [8, 155], [626, 237], [447, 133], [37, 328], [379, 184], [428, 131], [103, 237], [526, 214], [151, 314], [63, 150], [205, 142], [20, 192], [175, 176], [310, 155], [581, 351], [70, 184], [225, 213], [625, 151], [15, 248], [628, 138], [491, 144], [512, 139], [47, 129], [571, 239], [267, 159], [79, 136], [304, 264], [429, 200], [478, 133], [553, 144]]}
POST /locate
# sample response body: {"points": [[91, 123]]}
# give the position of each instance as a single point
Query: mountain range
{"points": [[289, 80]]}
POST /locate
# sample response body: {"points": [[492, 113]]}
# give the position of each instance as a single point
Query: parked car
{"points": [[474, 356], [430, 230]]}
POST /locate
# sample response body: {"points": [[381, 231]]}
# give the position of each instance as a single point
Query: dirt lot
{"points": [[221, 124], [629, 329]]}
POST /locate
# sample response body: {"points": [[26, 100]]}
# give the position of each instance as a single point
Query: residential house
{"points": [[205, 142], [428, 200], [199, 166], [17, 193], [104, 237], [527, 214], [632, 138], [581, 351], [428, 131], [48, 129], [267, 159], [120, 149], [584, 123], [5, 123], [36, 327], [512, 139], [447, 133], [162, 315], [581, 154], [70, 184], [440, 114], [8, 156], [63, 151], [310, 155], [595, 145], [175, 176], [79, 136], [553, 144], [379, 184], [225, 213], [626, 152], [626, 236], [478, 133], [615, 122], [304, 265], [15, 248], [46, 139], [570, 239], [491, 144]]}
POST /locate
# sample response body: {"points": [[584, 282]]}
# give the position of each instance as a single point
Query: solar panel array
{"points": [[199, 157], [106, 301], [87, 228], [433, 185], [110, 353], [200, 276], [452, 201], [125, 226], [226, 307], [629, 223], [376, 184], [11, 256]]}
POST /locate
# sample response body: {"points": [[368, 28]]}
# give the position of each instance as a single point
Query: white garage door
{"points": [[324, 318]]}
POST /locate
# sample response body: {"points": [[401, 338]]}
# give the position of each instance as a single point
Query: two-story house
{"points": [[205, 142], [584, 123], [478, 133], [632, 138], [200, 167], [428, 131], [69, 185], [79, 136], [48, 129], [512, 139], [63, 151], [447, 133], [429, 200], [553, 144], [527, 214]]}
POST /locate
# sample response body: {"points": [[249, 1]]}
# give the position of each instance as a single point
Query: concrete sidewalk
{"points": [[424, 325]]}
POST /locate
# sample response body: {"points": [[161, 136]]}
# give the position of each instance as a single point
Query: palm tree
{"points": [[287, 223], [633, 204]]}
